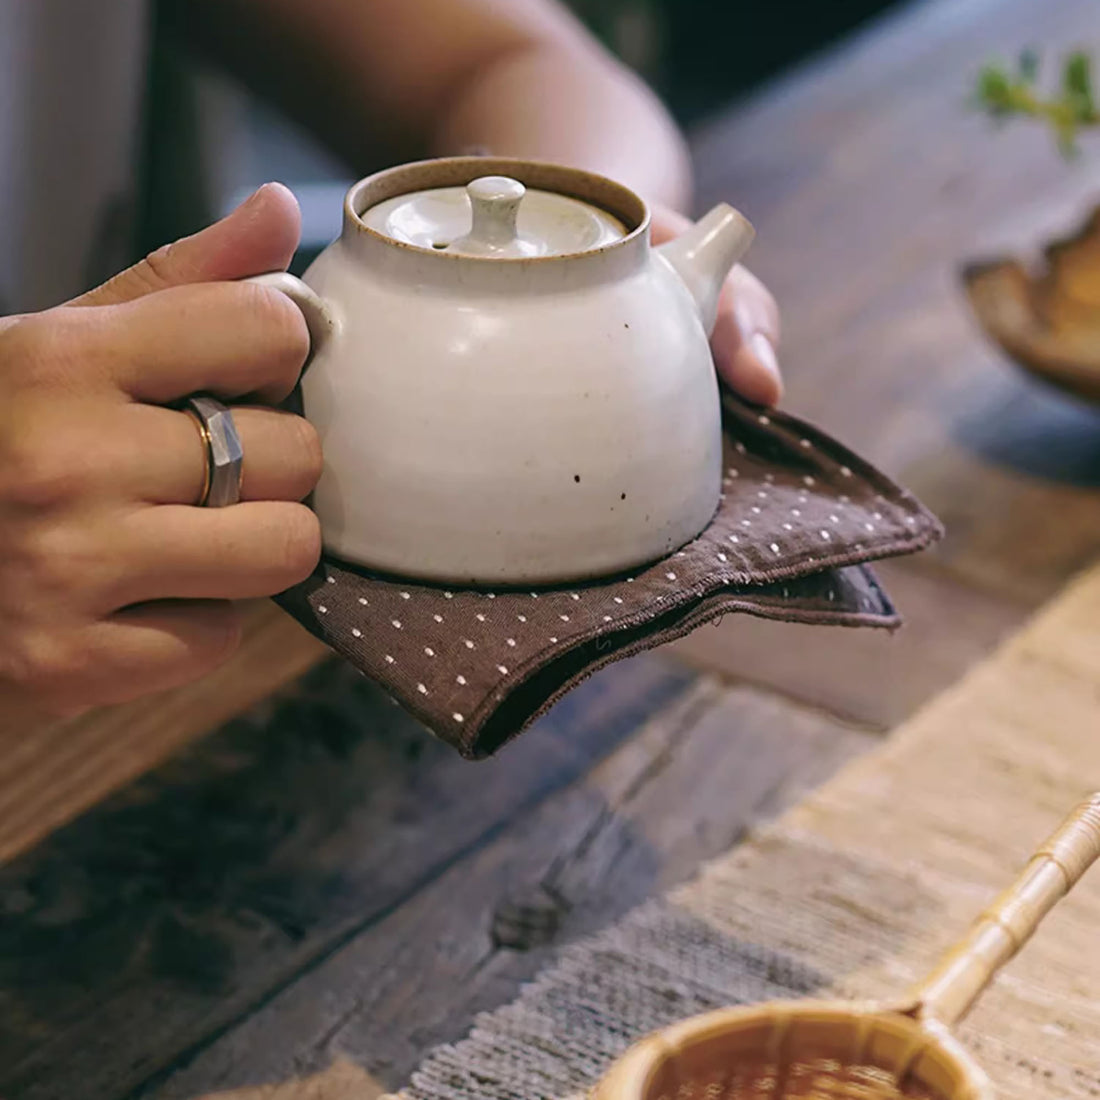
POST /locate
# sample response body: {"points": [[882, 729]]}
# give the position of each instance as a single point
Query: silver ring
{"points": [[224, 453]]}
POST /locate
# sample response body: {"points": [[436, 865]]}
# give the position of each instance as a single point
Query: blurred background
{"points": [[698, 54]]}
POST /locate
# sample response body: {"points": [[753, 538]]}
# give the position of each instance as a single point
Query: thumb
{"points": [[259, 235]]}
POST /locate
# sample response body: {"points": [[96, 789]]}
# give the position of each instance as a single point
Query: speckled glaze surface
{"points": [[499, 418]]}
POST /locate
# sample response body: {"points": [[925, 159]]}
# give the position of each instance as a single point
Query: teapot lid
{"points": [[496, 217]]}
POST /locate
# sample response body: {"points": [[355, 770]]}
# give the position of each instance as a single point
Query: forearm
{"points": [[396, 79], [546, 103]]}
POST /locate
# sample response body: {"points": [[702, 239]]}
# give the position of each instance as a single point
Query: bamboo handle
{"points": [[999, 933]]}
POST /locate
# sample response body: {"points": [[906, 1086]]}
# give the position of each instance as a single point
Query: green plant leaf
{"points": [[1077, 84], [1005, 94], [1076, 78], [994, 88]]}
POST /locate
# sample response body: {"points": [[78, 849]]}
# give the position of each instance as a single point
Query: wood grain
{"points": [[856, 893], [52, 771], [176, 908], [685, 788], [870, 181], [321, 877], [341, 1081], [868, 677]]}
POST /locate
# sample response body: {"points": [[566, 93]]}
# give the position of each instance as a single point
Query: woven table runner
{"points": [[852, 894]]}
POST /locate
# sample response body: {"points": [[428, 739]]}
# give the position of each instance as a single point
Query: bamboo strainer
{"points": [[836, 1050]]}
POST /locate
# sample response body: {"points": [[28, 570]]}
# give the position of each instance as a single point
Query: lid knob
{"points": [[494, 202]]}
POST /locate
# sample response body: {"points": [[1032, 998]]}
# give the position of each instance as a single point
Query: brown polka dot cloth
{"points": [[799, 518]]}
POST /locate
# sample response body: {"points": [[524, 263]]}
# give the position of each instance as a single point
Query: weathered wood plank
{"points": [[684, 789], [175, 913], [174, 909], [341, 1081], [870, 181], [52, 771], [867, 676]]}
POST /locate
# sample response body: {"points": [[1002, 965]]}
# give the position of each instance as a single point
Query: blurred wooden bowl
{"points": [[1046, 319]]}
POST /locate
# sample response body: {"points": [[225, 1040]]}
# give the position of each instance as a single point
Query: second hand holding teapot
{"points": [[511, 386]]}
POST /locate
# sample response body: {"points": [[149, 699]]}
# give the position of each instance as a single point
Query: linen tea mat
{"points": [[801, 516]]}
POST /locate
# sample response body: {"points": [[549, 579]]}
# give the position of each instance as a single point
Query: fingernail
{"points": [[254, 198], [762, 348]]}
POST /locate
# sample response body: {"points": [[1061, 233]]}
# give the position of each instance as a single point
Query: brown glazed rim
{"points": [[575, 183]]}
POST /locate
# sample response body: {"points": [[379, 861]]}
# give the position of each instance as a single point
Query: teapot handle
{"points": [[319, 316]]}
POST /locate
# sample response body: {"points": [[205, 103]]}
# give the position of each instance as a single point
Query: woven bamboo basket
{"points": [[836, 1050]]}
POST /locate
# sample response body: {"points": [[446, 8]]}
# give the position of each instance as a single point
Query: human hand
{"points": [[747, 329], [112, 583]]}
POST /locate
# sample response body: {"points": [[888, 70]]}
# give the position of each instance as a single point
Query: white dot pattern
{"points": [[782, 496]]}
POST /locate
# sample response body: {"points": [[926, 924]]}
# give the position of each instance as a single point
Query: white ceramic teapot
{"points": [[510, 385]]}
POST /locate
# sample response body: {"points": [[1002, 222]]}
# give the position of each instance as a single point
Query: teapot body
{"points": [[512, 422]]}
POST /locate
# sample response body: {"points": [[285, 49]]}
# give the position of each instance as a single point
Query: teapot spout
{"points": [[705, 254]]}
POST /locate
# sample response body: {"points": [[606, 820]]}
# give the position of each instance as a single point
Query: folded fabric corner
{"points": [[799, 521]]}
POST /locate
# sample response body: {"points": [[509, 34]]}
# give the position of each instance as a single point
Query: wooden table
{"points": [[168, 942]]}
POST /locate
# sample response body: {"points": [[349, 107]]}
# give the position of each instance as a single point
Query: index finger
{"points": [[230, 339]]}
